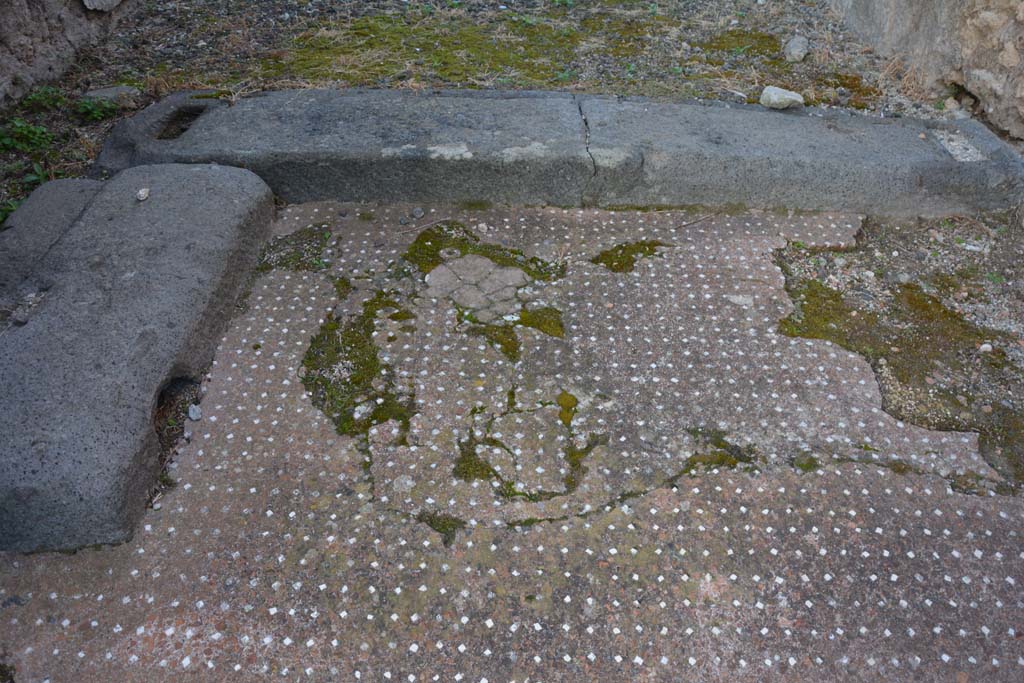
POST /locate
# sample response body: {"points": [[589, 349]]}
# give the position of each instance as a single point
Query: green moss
{"points": [[806, 462], [476, 205], [342, 287], [343, 371], [503, 337], [743, 42], [622, 258], [862, 94], [625, 35], [446, 525], [376, 50], [574, 458], [301, 250], [715, 451], [401, 315], [1002, 439], [822, 314], [898, 466], [567, 404], [367, 216], [935, 325], [710, 461], [969, 483], [547, 320], [425, 252], [469, 466]]}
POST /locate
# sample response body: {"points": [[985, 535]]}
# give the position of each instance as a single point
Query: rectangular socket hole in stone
{"points": [[180, 121]]}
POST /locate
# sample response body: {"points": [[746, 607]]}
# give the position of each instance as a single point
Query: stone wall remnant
{"points": [[977, 45], [39, 39]]}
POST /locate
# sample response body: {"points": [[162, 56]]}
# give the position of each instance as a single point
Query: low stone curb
{"points": [[109, 297], [575, 150]]}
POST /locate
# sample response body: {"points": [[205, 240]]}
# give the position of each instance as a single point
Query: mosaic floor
{"points": [[538, 445]]}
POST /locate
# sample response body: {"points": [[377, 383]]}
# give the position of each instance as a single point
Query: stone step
{"points": [[104, 299], [571, 150]]}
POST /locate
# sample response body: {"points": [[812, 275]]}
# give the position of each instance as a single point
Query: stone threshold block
{"points": [[563, 149], [516, 148], [108, 291]]}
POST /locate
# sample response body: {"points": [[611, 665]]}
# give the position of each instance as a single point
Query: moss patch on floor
{"points": [[858, 93], [502, 337], [342, 287], [455, 239], [301, 250], [626, 34], [345, 377], [576, 456], [446, 525], [806, 462], [470, 466], [546, 319], [567, 404], [622, 258], [714, 451]]}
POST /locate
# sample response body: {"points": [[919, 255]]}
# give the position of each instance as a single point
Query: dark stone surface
{"points": [[561, 149], [653, 153], [116, 300], [316, 144], [37, 226]]}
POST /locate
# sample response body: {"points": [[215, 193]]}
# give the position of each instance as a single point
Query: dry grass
{"points": [[906, 78]]}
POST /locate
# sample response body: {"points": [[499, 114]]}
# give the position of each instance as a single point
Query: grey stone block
{"points": [[124, 296], [387, 145], [554, 148], [37, 225], [719, 155]]}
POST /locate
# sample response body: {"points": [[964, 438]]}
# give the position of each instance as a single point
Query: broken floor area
{"points": [[472, 443]]}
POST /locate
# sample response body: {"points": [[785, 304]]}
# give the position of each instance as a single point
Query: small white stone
{"points": [[796, 49], [779, 98], [985, 348], [195, 413], [143, 194]]}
